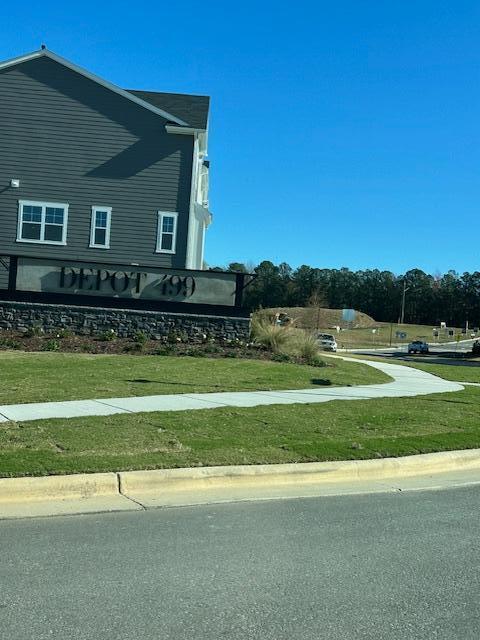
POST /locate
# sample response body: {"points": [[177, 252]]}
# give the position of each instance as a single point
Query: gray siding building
{"points": [[92, 172]]}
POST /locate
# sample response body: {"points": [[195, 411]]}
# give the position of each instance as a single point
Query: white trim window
{"points": [[42, 222], [167, 231], [100, 227]]}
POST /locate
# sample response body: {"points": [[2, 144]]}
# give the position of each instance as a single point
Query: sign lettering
{"points": [[200, 287], [121, 281]]}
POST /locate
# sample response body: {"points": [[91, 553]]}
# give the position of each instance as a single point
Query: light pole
{"points": [[405, 289]]}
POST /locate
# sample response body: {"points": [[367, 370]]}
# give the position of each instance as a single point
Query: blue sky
{"points": [[342, 134]]}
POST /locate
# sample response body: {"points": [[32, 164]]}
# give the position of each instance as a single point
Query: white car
{"points": [[327, 341], [418, 346]]}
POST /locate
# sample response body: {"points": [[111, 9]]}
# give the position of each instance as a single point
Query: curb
{"points": [[166, 486], [71, 487], [204, 478]]}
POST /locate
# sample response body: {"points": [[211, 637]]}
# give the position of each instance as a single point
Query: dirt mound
{"points": [[313, 318]]}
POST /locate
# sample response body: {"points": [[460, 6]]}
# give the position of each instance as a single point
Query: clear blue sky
{"points": [[342, 133]]}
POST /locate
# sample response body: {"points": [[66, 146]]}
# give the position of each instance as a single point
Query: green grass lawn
{"points": [[42, 377], [336, 430]]}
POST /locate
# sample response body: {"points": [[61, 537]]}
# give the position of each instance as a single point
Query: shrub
{"points": [[140, 337], [51, 345], [8, 343], [34, 332], [281, 357], [176, 337], [63, 333], [166, 350], [271, 336], [317, 362], [133, 347], [195, 353], [212, 348], [108, 336], [305, 345]]}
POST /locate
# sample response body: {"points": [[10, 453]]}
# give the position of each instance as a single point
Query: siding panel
{"points": [[70, 140]]}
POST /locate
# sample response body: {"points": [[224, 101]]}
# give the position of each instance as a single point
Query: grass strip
{"points": [[337, 430], [44, 377]]}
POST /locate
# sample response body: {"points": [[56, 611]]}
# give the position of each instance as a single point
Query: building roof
{"points": [[191, 109], [167, 105]]}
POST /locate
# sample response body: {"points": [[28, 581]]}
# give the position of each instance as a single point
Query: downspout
{"points": [[190, 257]]}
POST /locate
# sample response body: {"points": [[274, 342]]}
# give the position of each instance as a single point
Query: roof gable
{"points": [[104, 83]]}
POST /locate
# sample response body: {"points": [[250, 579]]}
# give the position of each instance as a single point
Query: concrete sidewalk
{"points": [[406, 382]]}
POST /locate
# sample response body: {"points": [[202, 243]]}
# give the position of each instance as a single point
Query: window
{"points": [[42, 222], [100, 227], [167, 232]]}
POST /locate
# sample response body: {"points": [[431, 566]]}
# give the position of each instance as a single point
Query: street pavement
{"points": [[399, 566], [448, 353]]}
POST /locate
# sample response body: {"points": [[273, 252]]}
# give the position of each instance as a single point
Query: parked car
{"points": [[327, 341], [418, 346], [476, 348]]}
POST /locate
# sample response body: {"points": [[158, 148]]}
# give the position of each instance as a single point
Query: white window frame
{"points": [[93, 228], [161, 215], [44, 205]]}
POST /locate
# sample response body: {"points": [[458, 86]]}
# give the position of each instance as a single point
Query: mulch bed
{"points": [[65, 342]]}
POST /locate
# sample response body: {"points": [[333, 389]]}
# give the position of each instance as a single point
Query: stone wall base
{"points": [[126, 323]]}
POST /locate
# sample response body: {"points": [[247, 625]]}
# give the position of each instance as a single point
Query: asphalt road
{"points": [[450, 353], [390, 566]]}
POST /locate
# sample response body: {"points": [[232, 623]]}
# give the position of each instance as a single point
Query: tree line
{"points": [[429, 299]]}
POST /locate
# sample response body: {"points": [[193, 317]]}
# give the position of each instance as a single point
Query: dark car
{"points": [[418, 346]]}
